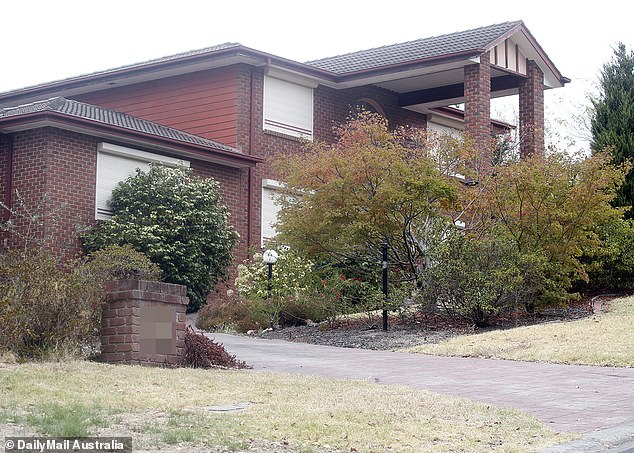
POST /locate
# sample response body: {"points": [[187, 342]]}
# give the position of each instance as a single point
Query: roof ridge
{"points": [[514, 23], [167, 58], [29, 104], [224, 45]]}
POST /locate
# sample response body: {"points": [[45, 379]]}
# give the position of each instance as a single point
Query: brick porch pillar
{"points": [[477, 93], [531, 91]]}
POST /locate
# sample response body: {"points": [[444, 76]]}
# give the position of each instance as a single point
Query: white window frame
{"points": [[288, 106], [128, 155]]}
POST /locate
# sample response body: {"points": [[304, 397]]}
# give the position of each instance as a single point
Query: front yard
{"points": [[605, 339], [170, 410]]}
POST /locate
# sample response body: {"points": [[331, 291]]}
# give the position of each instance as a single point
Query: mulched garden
{"points": [[419, 328]]}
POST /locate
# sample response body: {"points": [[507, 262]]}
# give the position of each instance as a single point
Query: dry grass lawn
{"points": [[606, 339], [166, 409]]}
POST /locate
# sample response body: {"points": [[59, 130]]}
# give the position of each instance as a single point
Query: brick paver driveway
{"points": [[568, 397]]}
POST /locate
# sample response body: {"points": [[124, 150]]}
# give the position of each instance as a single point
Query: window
{"points": [[114, 164], [270, 208], [368, 105], [454, 130], [288, 107]]}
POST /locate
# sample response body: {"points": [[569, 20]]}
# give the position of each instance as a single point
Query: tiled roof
{"points": [[178, 56], [113, 118], [437, 46], [142, 64]]}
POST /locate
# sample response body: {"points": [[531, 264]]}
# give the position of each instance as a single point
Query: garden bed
{"points": [[417, 329]]}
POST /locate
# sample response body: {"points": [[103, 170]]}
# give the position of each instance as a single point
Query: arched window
{"points": [[368, 105]]}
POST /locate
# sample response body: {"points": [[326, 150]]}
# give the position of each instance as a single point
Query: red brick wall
{"points": [[4, 183], [233, 190], [71, 177], [54, 172], [331, 107], [63, 166], [531, 101]]}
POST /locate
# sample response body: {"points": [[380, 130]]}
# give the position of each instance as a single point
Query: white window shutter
{"points": [[288, 108], [270, 208], [115, 164], [111, 170]]}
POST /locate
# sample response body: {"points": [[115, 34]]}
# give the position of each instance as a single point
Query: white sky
{"points": [[46, 40]]}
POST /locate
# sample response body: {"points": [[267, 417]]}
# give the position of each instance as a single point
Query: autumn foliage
{"points": [[410, 189]]}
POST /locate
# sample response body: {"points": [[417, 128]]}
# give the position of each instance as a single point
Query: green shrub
{"points": [[47, 307], [44, 307], [178, 221], [233, 312], [611, 266], [474, 279], [121, 262], [216, 315], [251, 314], [302, 291], [292, 274]]}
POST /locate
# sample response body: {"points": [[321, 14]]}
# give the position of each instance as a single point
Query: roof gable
{"points": [[433, 62], [474, 41]]}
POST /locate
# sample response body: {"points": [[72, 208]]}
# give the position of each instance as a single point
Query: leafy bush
{"points": [[216, 315], [611, 266], [475, 279], [233, 312], [550, 207], [45, 307], [292, 274], [121, 262], [202, 352], [301, 291], [178, 221]]}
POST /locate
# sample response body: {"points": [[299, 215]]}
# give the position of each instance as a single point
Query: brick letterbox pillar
{"points": [[143, 322]]}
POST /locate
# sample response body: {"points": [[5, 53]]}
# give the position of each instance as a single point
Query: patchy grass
{"points": [[606, 339], [161, 408]]}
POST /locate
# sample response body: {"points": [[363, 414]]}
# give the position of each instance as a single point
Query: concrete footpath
{"points": [[571, 398]]}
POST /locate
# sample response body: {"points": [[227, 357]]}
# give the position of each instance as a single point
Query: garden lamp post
{"points": [[270, 258]]}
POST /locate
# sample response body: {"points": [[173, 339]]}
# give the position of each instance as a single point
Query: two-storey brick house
{"points": [[225, 110]]}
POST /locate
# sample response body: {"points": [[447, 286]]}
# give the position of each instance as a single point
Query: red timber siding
{"points": [[331, 107], [203, 103]]}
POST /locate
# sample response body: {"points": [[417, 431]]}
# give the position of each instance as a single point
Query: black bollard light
{"points": [[384, 250]]}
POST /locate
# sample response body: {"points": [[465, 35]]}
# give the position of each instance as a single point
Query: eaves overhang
{"points": [[230, 54], [62, 121], [155, 70]]}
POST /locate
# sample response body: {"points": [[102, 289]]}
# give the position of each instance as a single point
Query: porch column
{"points": [[477, 94], [531, 90]]}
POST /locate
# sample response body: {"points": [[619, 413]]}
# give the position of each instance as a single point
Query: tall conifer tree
{"points": [[613, 120]]}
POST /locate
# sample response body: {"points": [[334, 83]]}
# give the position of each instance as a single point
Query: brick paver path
{"points": [[568, 397]]}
